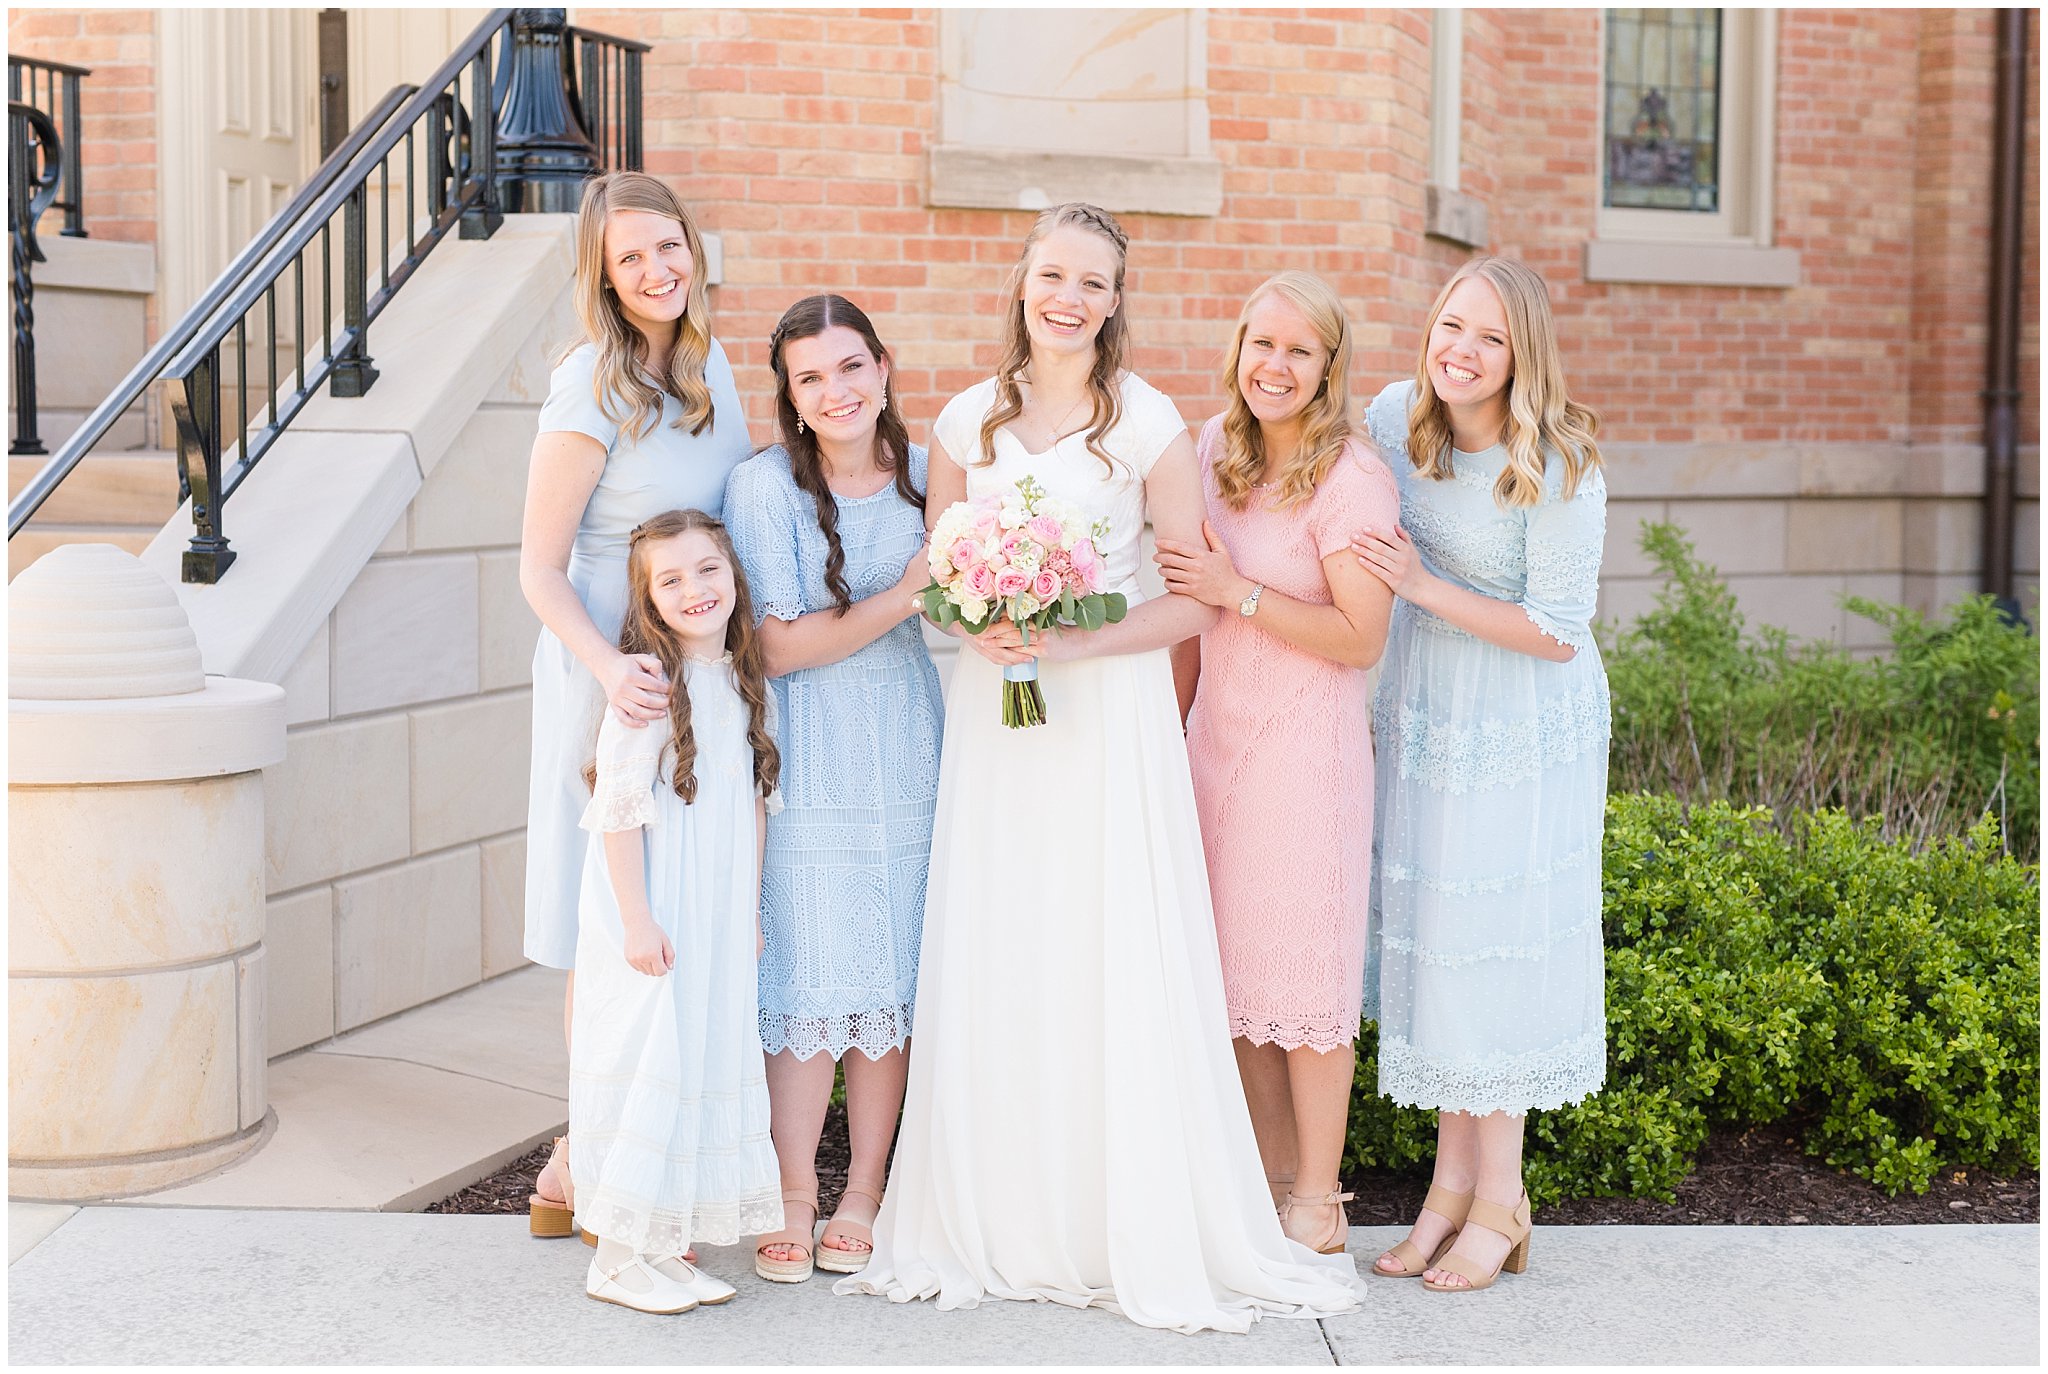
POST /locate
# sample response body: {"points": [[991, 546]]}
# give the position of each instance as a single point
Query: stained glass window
{"points": [[1663, 109]]}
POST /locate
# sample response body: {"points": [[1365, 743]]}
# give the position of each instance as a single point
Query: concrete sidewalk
{"points": [[121, 1284]]}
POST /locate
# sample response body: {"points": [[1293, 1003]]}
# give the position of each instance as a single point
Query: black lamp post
{"points": [[543, 154]]}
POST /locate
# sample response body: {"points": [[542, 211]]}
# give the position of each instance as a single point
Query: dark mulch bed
{"points": [[1753, 1178]]}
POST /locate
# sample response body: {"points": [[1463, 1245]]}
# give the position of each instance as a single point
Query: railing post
{"points": [[543, 154], [481, 219], [195, 403], [74, 168], [34, 154], [353, 375]]}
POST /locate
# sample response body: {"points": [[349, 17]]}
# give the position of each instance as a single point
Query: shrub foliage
{"points": [[1929, 737], [1875, 997]]}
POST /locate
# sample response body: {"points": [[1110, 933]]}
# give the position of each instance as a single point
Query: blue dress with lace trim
{"points": [[842, 885], [1483, 952]]}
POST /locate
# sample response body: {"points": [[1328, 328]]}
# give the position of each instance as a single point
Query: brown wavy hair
{"points": [[1112, 344], [1541, 417], [1325, 422], [807, 319], [645, 632], [624, 392]]}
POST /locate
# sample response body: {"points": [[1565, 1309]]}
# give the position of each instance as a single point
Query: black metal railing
{"points": [[293, 311], [53, 88], [35, 158], [603, 75]]}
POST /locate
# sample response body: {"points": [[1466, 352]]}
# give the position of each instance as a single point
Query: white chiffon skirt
{"points": [[1074, 1130]]}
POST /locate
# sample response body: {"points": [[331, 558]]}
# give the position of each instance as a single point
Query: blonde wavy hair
{"points": [[624, 390], [1541, 417], [1326, 421], [1112, 345]]}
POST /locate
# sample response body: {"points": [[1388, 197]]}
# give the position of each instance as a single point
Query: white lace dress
{"points": [[1491, 791], [1074, 1130], [668, 1098]]}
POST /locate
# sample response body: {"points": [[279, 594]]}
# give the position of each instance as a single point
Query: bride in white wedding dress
{"points": [[1074, 1130]]}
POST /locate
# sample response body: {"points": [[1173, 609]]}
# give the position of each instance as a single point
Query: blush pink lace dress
{"points": [[1280, 744]]}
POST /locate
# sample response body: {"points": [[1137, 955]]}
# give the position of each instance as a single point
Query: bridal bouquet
{"points": [[1019, 555]]}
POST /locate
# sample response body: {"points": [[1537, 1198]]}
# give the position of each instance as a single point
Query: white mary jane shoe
{"points": [[708, 1291], [664, 1296]]}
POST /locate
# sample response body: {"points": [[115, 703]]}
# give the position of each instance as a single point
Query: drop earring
{"points": [[799, 424]]}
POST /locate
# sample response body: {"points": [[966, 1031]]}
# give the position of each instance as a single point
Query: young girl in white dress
{"points": [[668, 1098], [1074, 1131]]}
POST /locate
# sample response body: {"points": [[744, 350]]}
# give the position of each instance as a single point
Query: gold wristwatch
{"points": [[1251, 602]]}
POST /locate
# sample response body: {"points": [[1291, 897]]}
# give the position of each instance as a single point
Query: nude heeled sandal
{"points": [[1332, 1244], [545, 1217], [1512, 1223], [1451, 1206], [839, 1261], [795, 1237], [1279, 1185]]}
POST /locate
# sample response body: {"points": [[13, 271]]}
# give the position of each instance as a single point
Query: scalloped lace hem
{"points": [[873, 1033], [1534, 1081], [1493, 752], [1320, 1035], [669, 1231], [1574, 637]]}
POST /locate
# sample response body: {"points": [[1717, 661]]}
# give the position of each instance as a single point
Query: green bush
{"points": [[1878, 1000], [1942, 729]]}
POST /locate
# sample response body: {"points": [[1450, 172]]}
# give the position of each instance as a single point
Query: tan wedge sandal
{"points": [[1451, 1206], [795, 1237], [836, 1260], [1510, 1222], [1333, 1243], [551, 1218]]}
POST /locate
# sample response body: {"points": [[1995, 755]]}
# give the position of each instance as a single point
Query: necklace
{"points": [[1053, 436]]}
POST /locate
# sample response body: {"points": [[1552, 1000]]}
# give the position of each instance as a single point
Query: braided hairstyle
{"points": [[807, 319]]}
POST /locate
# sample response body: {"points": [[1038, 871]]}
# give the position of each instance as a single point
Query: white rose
{"points": [[973, 608]]}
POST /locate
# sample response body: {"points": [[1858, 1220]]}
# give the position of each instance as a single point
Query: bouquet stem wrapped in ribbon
{"points": [[1019, 555]]}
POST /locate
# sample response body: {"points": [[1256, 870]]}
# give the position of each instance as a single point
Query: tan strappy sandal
{"points": [[836, 1260], [1279, 1185], [1333, 1243], [1451, 1206], [795, 1237], [1510, 1222], [545, 1217]]}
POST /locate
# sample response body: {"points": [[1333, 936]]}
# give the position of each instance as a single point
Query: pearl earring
{"points": [[799, 424]]}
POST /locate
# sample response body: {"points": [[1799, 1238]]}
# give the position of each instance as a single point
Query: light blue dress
{"points": [[1490, 795], [843, 884], [667, 469]]}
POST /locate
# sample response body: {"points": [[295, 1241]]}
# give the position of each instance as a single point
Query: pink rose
{"points": [[1013, 541], [1088, 565], [1045, 530], [1046, 586], [965, 553], [980, 582], [1010, 582], [986, 524]]}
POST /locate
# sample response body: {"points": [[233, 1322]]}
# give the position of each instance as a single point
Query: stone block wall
{"points": [[396, 823]]}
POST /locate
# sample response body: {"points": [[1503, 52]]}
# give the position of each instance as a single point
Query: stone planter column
{"points": [[135, 885]]}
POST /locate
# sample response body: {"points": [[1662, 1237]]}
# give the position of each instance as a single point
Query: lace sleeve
{"points": [[1565, 538], [628, 768], [1386, 420], [761, 518]]}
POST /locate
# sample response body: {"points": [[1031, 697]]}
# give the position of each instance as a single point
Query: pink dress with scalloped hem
{"points": [[1280, 745]]}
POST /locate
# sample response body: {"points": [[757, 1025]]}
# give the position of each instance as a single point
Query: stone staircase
{"points": [[119, 498]]}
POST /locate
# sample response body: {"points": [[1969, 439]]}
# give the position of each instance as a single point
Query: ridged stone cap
{"points": [[89, 622]]}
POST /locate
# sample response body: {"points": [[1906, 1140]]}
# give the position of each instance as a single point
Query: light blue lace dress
{"points": [[1491, 791], [843, 884]]}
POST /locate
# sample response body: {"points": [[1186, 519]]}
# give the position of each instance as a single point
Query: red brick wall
{"points": [[117, 104], [801, 137]]}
